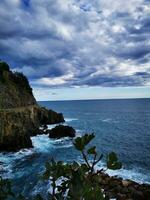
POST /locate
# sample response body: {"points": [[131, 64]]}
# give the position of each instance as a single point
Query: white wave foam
{"points": [[106, 120], [79, 133], [70, 119], [51, 126], [42, 143], [131, 174], [109, 120], [8, 160]]}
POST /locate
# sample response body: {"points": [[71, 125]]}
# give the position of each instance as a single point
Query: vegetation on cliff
{"points": [[15, 90]]}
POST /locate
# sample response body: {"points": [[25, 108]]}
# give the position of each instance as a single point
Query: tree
{"points": [[3, 66]]}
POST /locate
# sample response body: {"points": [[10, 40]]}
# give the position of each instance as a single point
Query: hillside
{"points": [[20, 115], [15, 90]]}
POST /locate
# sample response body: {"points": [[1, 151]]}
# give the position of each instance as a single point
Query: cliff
{"points": [[20, 115], [15, 90]]}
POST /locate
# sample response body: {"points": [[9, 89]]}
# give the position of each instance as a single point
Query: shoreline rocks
{"points": [[119, 189], [61, 131], [18, 125]]}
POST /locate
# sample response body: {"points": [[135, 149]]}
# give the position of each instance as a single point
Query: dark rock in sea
{"points": [[20, 115], [61, 131]]}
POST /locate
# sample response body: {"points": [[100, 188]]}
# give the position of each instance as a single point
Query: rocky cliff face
{"points": [[20, 115]]}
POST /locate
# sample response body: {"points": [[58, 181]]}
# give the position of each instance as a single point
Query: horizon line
{"points": [[130, 98]]}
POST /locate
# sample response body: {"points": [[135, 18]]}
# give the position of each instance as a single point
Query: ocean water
{"points": [[122, 126]]}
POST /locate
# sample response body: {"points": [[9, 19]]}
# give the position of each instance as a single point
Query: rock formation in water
{"points": [[62, 131], [20, 115]]}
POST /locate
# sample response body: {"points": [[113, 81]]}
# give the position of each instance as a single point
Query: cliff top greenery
{"points": [[15, 90], [15, 77], [3, 66]]}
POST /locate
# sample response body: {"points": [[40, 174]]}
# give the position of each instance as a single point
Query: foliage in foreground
{"points": [[73, 181], [5, 189]]}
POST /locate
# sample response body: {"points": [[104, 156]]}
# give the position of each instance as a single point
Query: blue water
{"points": [[122, 126]]}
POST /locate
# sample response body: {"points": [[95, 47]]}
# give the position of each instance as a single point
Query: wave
{"points": [[41, 143], [8, 161], [44, 145], [134, 174], [70, 119], [12, 164], [51, 126], [109, 120]]}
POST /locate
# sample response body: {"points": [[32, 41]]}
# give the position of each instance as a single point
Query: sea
{"points": [[121, 126]]}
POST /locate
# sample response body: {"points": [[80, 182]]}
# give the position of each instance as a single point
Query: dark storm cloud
{"points": [[75, 43], [135, 52]]}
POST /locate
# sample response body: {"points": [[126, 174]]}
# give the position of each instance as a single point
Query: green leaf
{"points": [[112, 162], [81, 142], [87, 138], [38, 197], [21, 197], [92, 150], [84, 168], [5, 188], [93, 193], [75, 165], [78, 143]]}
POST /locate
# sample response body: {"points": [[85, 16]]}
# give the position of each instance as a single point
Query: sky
{"points": [[78, 49]]}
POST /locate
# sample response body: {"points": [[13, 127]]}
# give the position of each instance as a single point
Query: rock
{"points": [[61, 131], [50, 117], [126, 183], [17, 125], [119, 189], [121, 196], [138, 195]]}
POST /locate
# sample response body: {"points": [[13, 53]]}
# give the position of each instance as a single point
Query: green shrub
{"points": [[80, 181], [4, 66], [20, 79], [5, 189]]}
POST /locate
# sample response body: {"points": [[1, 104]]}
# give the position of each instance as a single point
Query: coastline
{"points": [[123, 189]]}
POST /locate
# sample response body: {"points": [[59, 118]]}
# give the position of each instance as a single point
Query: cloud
{"points": [[75, 43], [53, 81]]}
